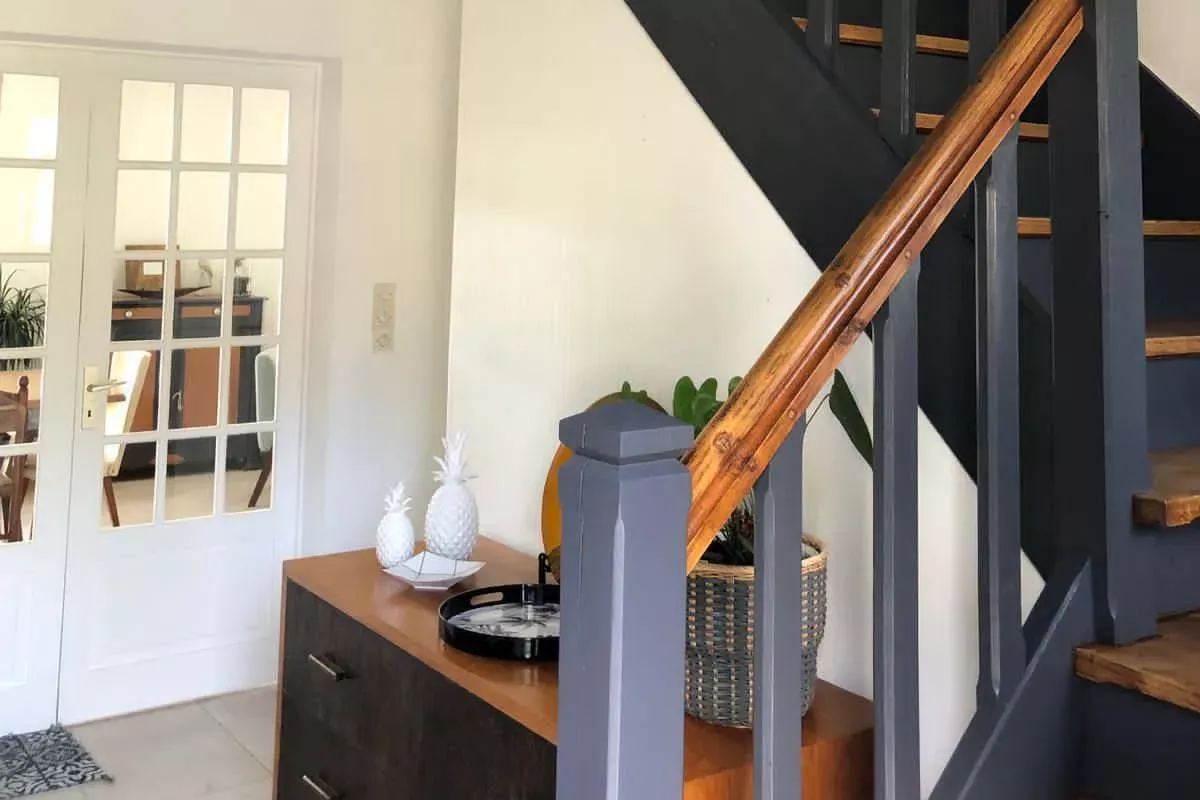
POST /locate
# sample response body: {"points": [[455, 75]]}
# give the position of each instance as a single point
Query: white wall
{"points": [[1168, 31], [603, 231], [384, 212]]}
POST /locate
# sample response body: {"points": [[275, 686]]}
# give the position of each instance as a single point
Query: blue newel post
{"points": [[625, 500]]}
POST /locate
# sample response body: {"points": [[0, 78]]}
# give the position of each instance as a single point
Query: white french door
{"points": [[169, 407], [43, 162]]}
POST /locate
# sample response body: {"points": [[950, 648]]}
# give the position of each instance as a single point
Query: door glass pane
{"points": [[26, 210], [147, 121], [28, 116], [195, 386], [132, 406], [207, 126], [23, 304], [20, 400], [127, 485], [248, 472], [256, 282], [143, 206], [252, 384], [203, 210], [264, 134], [17, 496], [260, 213], [190, 478], [137, 301]]}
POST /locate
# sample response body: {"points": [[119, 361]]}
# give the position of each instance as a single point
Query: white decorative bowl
{"points": [[433, 573]]}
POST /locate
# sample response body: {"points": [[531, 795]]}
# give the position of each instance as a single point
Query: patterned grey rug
{"points": [[44, 761]]}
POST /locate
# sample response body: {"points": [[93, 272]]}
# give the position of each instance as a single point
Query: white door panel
{"points": [[43, 143], [199, 185]]}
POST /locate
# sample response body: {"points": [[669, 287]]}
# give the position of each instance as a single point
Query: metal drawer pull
{"points": [[328, 667], [320, 788]]}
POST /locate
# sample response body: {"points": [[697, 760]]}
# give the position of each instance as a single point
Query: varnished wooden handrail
{"points": [[736, 446]]}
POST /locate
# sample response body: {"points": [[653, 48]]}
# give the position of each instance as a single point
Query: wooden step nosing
{"points": [[1030, 131], [1096, 668], [868, 36], [1040, 227]]}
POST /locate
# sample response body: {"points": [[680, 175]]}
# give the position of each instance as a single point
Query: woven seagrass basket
{"points": [[720, 637]]}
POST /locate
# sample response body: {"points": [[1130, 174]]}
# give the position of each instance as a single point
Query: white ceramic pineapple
{"points": [[452, 521], [395, 538]]}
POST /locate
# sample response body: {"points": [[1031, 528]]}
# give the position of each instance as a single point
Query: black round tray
{"points": [[523, 597]]}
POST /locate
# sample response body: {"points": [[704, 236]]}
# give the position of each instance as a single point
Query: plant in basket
{"points": [[720, 591]]}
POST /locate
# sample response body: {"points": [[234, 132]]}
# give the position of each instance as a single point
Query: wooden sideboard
{"points": [[372, 705], [194, 384]]}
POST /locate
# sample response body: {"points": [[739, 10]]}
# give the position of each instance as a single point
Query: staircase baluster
{"points": [[896, 681], [1100, 439], [778, 642], [1001, 640], [824, 32]]}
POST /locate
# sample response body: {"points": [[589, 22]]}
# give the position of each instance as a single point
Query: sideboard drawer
{"points": [[402, 716], [341, 673], [315, 765]]}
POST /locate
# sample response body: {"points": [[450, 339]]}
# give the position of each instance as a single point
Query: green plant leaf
{"points": [[703, 409], [681, 403], [734, 383], [845, 408], [626, 391], [709, 387]]}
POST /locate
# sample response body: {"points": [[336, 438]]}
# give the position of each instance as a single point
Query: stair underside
{"points": [[1165, 667]]}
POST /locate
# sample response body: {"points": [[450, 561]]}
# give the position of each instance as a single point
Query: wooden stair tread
{"points": [[1174, 498], [1165, 667], [1172, 338], [1157, 228], [873, 37], [1030, 131]]}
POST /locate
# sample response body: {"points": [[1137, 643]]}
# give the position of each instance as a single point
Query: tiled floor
{"points": [[219, 749]]}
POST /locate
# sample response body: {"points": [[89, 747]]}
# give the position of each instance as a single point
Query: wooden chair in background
{"points": [[264, 411], [14, 480], [130, 367]]}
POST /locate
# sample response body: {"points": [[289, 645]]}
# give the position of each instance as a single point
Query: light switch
{"points": [[383, 318]]}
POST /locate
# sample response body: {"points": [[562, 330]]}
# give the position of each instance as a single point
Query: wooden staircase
{"points": [[1163, 671], [1124, 722]]}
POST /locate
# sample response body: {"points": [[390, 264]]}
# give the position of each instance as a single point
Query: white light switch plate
{"points": [[383, 318]]}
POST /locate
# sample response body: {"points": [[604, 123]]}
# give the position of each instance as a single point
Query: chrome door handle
{"points": [[104, 387], [328, 667], [320, 788]]}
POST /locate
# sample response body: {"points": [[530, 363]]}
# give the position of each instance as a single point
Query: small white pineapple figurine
{"points": [[452, 521], [395, 538]]}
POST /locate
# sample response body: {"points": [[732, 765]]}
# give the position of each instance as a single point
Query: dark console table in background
{"points": [[373, 706], [194, 389]]}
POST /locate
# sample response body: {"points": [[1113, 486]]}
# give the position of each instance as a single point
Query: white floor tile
{"points": [[255, 791], [174, 754], [250, 718]]}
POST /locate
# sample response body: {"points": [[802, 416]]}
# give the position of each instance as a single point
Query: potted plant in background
{"points": [[720, 617], [22, 321], [720, 590]]}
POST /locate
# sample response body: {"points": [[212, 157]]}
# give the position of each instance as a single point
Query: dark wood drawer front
{"points": [[315, 765], [341, 673], [446, 741]]}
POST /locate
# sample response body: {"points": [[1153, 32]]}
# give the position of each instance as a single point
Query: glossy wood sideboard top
{"points": [[718, 761]]}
